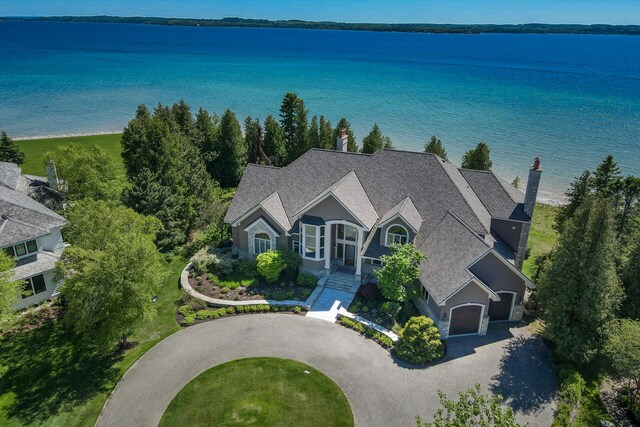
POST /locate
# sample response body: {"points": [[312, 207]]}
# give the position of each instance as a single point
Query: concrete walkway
{"points": [[328, 304], [381, 391]]}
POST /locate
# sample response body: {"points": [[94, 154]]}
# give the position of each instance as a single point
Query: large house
{"points": [[30, 232], [342, 210]]}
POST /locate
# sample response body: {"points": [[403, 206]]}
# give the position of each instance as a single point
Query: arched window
{"points": [[261, 243], [397, 234]]}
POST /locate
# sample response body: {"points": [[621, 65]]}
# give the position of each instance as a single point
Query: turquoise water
{"points": [[569, 99]]}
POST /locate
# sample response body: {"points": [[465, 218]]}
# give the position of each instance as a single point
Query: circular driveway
{"points": [[381, 390]]}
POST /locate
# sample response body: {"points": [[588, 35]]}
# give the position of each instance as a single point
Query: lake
{"points": [[571, 99]]}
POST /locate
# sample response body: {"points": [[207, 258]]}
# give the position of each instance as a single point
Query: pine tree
{"points": [[631, 282], [605, 175], [253, 139], [629, 194], [579, 190], [206, 135], [184, 119], [352, 145], [232, 151], [293, 118], [274, 141], [325, 134], [435, 146], [478, 158], [9, 150], [516, 182], [580, 292], [313, 134], [376, 141]]}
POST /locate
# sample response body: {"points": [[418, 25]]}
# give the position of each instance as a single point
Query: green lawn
{"points": [[35, 149], [542, 236], [48, 378], [262, 392]]}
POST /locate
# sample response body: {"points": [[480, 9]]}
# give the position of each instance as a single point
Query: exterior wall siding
{"points": [[499, 277], [509, 231], [397, 221], [330, 209], [43, 296]]}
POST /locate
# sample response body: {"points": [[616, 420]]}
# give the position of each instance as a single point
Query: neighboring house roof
{"points": [[406, 210], [21, 217], [450, 249], [36, 264], [387, 178], [499, 198], [9, 175]]}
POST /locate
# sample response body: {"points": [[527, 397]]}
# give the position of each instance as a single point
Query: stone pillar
{"points": [[518, 310], [484, 325], [443, 327]]}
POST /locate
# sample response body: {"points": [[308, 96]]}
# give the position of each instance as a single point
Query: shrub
{"points": [[282, 295], [419, 341], [240, 309], [188, 320], [223, 264], [390, 307], [224, 290], [185, 310], [571, 386], [270, 265], [247, 268], [201, 261], [230, 310], [291, 260], [307, 280], [305, 293], [297, 309]]}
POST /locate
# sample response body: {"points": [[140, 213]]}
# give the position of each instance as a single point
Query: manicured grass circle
{"points": [[260, 391]]}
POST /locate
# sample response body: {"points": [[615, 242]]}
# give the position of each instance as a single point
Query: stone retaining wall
{"points": [[215, 302]]}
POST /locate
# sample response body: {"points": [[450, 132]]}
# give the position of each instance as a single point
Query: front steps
{"points": [[342, 282]]}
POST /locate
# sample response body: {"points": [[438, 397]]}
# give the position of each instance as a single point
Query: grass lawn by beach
{"points": [[542, 236], [260, 391], [48, 378], [34, 149]]}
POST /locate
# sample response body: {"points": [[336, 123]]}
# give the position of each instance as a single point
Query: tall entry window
{"points": [[261, 243], [346, 244], [313, 241]]}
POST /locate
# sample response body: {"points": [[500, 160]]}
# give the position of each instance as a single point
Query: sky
{"points": [[405, 11]]}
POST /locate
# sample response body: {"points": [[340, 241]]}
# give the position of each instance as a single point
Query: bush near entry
{"points": [[419, 341]]}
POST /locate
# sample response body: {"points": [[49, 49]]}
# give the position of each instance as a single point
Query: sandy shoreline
{"points": [[66, 135], [544, 197]]}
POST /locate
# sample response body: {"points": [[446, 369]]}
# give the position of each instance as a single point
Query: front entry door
{"points": [[350, 255]]}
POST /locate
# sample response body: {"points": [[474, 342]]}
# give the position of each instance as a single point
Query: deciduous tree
{"points": [[624, 350], [9, 289], [580, 292], [478, 158], [399, 271]]}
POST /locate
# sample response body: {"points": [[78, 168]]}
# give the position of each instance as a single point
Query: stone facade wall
{"points": [[518, 310], [484, 325]]}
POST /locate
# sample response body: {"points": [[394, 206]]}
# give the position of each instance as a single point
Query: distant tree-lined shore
{"points": [[533, 28]]}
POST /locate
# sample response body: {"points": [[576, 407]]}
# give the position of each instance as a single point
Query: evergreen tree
{"points": [[375, 141], [579, 190], [478, 158], [253, 139], [293, 118], [516, 182], [629, 194], [313, 134], [232, 151], [206, 135], [580, 292], [274, 141], [352, 144], [184, 119], [605, 175], [325, 135], [10, 289], [631, 282], [9, 150], [435, 146]]}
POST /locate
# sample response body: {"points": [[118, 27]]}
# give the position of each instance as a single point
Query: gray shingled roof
{"points": [[14, 231], [36, 264], [499, 198], [9, 175], [406, 210], [450, 248], [387, 178]]}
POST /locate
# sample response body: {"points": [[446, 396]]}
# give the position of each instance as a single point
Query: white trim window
{"points": [[33, 285], [295, 246], [22, 249], [261, 243], [313, 241], [397, 234]]}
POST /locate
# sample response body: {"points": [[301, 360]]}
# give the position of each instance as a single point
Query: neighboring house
{"points": [[342, 210], [30, 232]]}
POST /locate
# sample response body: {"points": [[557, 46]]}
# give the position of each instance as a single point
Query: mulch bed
{"points": [[258, 291], [35, 317]]}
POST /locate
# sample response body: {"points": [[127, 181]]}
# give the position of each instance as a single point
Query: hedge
{"points": [[190, 315], [377, 336]]}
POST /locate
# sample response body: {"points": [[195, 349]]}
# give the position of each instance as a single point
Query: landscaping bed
{"points": [[371, 305], [224, 277], [192, 314]]}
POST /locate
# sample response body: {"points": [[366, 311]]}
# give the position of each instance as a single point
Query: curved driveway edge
{"points": [[380, 391]]}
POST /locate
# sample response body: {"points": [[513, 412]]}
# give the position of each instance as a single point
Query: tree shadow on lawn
{"points": [[527, 379], [50, 371]]}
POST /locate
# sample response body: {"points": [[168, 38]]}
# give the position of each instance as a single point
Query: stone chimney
{"points": [[343, 140], [52, 175], [532, 187]]}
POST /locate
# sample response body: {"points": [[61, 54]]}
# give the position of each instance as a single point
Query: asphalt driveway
{"points": [[381, 390]]}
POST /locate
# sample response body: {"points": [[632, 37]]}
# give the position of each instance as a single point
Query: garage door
{"points": [[465, 320], [500, 310]]}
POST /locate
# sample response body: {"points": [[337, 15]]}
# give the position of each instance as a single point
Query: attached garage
{"points": [[501, 310], [465, 319]]}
